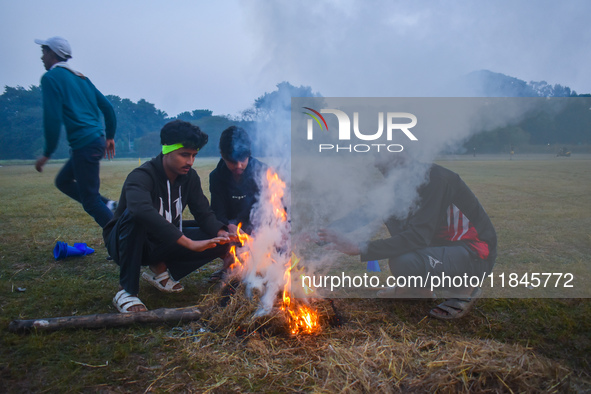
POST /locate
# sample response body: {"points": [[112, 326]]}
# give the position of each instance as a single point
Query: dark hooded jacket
{"points": [[158, 205], [448, 214], [232, 201]]}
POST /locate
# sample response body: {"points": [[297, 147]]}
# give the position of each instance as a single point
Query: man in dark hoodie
{"points": [[448, 233], [234, 185], [148, 227]]}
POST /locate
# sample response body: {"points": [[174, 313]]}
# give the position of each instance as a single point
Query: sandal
{"points": [[455, 308], [156, 281], [123, 301]]}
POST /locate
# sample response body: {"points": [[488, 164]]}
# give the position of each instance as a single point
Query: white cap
{"points": [[59, 45]]}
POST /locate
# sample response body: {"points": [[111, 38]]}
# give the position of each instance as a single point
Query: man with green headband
{"points": [[148, 228]]}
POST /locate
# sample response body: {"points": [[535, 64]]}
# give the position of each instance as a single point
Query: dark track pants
{"points": [[79, 179], [451, 261], [131, 247]]}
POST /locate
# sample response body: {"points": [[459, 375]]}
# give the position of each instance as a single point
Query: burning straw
{"points": [[264, 262], [231, 312]]}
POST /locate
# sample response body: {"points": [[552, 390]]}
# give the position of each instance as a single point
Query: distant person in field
{"points": [[69, 98], [148, 227], [234, 185], [449, 232]]}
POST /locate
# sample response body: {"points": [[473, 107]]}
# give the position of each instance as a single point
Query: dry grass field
{"points": [[540, 206]]}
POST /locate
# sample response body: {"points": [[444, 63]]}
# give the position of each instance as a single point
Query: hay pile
{"points": [[367, 354], [231, 312]]}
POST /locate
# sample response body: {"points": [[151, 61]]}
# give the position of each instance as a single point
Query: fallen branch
{"points": [[106, 319]]}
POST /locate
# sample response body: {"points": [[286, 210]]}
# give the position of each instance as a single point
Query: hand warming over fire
{"points": [[200, 246], [339, 242], [233, 233]]}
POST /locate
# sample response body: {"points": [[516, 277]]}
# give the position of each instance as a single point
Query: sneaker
{"points": [[112, 205]]}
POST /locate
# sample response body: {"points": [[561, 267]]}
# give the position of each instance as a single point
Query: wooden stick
{"points": [[106, 319]]}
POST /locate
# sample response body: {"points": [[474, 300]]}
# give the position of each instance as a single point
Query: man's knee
{"points": [[407, 264], [128, 221]]}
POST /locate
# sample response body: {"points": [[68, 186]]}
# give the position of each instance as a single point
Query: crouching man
{"points": [[448, 233], [148, 228], [234, 186]]}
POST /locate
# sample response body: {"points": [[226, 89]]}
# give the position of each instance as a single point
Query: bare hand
{"points": [[232, 229], [200, 246], [40, 163], [110, 149], [339, 242], [232, 233]]}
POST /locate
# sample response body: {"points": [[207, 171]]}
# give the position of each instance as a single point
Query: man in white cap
{"points": [[69, 98]]}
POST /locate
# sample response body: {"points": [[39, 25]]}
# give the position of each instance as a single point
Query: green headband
{"points": [[171, 148]]}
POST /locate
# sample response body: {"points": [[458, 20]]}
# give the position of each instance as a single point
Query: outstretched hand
{"points": [[339, 242], [232, 234], [201, 245]]}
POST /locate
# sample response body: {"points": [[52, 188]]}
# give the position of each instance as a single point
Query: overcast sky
{"points": [[188, 54]]}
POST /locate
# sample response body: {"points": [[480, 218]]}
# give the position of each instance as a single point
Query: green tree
{"points": [[195, 115], [134, 121], [21, 124], [277, 102]]}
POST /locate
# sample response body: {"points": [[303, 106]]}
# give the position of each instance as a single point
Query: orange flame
{"points": [[243, 239], [277, 186], [236, 264], [301, 318]]}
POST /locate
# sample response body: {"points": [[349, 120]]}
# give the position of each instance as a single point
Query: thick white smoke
{"points": [[329, 185], [323, 187]]}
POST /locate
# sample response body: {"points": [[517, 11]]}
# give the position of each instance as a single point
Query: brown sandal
{"points": [[455, 308]]}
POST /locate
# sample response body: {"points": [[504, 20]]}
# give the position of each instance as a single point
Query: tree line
{"points": [[138, 126], [139, 123], [545, 127]]}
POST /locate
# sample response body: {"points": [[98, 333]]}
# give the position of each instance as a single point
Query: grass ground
{"points": [[541, 209]]}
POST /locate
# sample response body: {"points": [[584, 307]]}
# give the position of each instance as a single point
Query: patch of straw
{"points": [[367, 354]]}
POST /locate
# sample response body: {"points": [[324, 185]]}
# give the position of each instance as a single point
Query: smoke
{"points": [[269, 251], [269, 246], [355, 185], [341, 187], [384, 50]]}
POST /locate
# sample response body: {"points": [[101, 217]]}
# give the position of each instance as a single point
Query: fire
{"points": [[243, 239], [302, 319], [277, 187]]}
